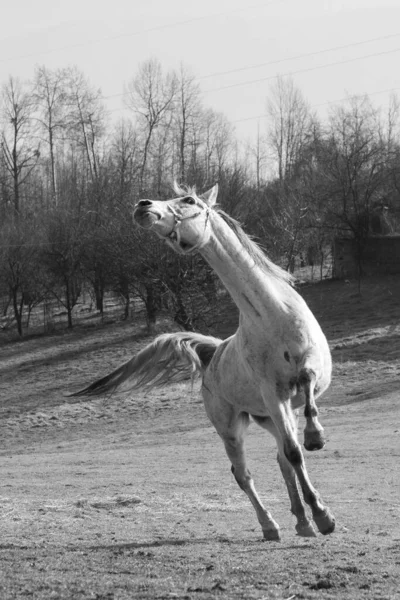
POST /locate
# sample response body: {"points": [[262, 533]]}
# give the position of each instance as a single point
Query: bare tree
{"points": [[63, 255], [289, 123], [353, 174], [217, 143], [86, 118], [391, 138], [258, 154], [150, 95], [124, 152], [50, 95], [19, 147], [21, 267], [187, 114]]}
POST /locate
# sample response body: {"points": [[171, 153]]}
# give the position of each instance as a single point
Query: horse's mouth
{"points": [[146, 217]]}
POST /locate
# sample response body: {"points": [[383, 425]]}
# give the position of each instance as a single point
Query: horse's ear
{"points": [[210, 197]]}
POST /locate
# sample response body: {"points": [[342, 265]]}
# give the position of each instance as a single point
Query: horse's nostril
{"points": [[144, 203]]}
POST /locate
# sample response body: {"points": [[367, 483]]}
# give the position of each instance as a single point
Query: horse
{"points": [[277, 361]]}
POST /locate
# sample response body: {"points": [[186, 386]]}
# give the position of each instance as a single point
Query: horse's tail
{"points": [[170, 357]]}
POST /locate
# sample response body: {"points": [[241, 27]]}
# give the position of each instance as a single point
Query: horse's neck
{"points": [[257, 295]]}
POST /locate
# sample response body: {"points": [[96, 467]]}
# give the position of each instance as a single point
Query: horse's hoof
{"points": [[325, 522], [271, 535], [314, 440], [306, 530]]}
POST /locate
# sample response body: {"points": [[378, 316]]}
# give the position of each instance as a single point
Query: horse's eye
{"points": [[189, 200]]}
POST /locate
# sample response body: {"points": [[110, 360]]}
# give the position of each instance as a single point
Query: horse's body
{"points": [[277, 361]]}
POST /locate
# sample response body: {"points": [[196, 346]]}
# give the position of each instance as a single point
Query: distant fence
{"points": [[381, 255]]}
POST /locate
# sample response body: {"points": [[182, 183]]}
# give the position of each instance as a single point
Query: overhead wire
{"points": [[144, 31], [350, 96], [308, 69], [305, 70], [299, 56], [253, 66], [239, 69]]}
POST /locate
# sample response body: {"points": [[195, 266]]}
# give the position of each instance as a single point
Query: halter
{"points": [[175, 235]]}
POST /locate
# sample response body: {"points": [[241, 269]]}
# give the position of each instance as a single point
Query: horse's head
{"points": [[182, 222]]}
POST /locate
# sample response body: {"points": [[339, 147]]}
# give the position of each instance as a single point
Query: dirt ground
{"points": [[132, 497]]}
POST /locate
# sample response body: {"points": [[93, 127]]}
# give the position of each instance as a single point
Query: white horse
{"points": [[277, 361]]}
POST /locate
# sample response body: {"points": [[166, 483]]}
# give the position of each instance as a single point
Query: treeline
{"points": [[69, 179]]}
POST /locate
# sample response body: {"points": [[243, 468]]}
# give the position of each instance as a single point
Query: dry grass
{"points": [[131, 497]]}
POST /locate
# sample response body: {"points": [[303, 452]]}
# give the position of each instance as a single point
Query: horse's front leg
{"points": [[304, 526], [285, 423]]}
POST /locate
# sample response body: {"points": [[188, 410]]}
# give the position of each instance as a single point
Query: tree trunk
{"points": [[151, 308], [144, 161], [68, 303], [52, 166], [127, 306], [18, 309], [7, 304], [99, 291], [15, 182], [181, 317]]}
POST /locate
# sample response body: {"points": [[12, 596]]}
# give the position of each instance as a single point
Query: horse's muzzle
{"points": [[145, 217]]}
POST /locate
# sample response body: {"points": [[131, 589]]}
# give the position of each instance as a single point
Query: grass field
{"points": [[132, 497]]}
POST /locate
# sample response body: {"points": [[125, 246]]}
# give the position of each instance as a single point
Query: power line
{"points": [[142, 31], [317, 52], [312, 105], [324, 103], [296, 57], [240, 69], [355, 96], [306, 70]]}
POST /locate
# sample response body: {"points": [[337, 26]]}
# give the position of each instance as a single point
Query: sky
{"points": [[234, 48]]}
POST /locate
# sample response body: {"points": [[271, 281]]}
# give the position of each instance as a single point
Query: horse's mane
{"points": [[185, 190], [255, 251], [251, 247]]}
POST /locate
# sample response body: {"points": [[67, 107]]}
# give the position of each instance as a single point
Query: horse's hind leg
{"points": [[232, 426], [304, 526], [314, 438]]}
